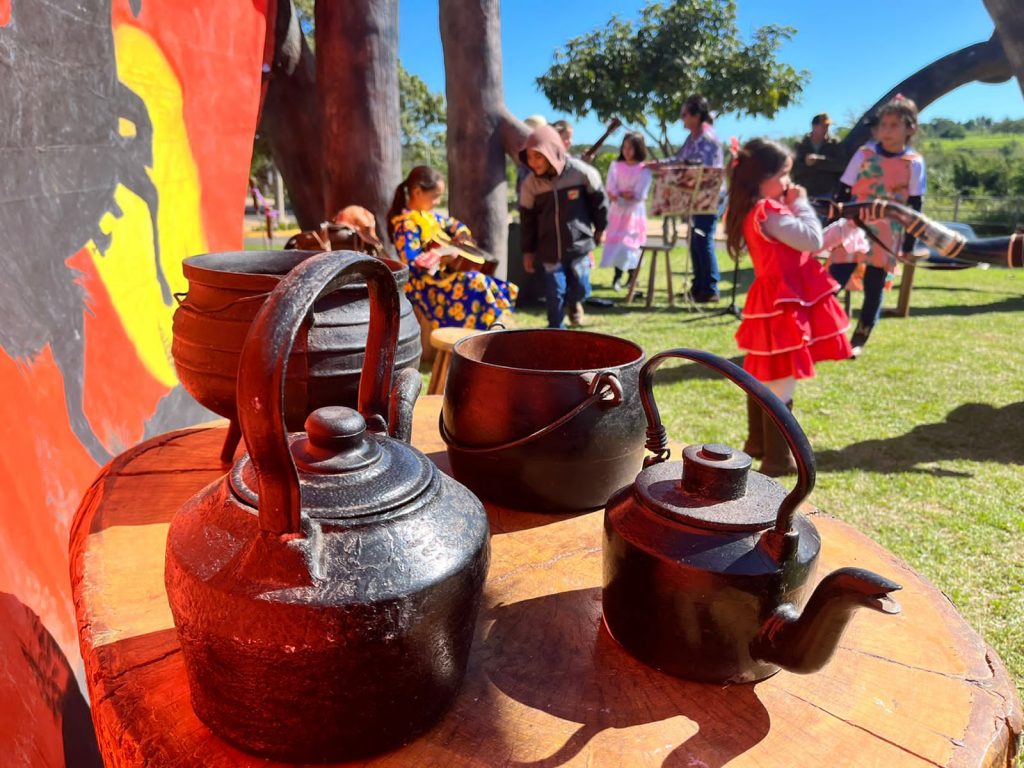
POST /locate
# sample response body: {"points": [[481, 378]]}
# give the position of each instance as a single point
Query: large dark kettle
{"points": [[707, 562], [325, 590]]}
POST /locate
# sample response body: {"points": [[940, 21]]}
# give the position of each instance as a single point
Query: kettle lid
{"points": [[712, 488], [344, 471]]}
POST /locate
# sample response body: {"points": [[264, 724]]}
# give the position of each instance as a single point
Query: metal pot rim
{"points": [[462, 347], [213, 268]]}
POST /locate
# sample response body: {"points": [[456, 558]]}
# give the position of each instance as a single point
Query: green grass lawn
{"points": [[919, 443], [976, 142]]}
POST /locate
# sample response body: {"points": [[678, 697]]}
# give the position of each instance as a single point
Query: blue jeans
{"points": [[874, 289], [567, 284], [702, 254]]}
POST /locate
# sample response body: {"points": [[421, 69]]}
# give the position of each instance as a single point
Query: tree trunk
{"points": [[291, 121], [982, 61], [1009, 18], [480, 128], [357, 76]]}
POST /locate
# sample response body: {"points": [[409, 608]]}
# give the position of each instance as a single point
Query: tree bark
{"points": [[480, 128], [982, 61], [1009, 18], [357, 76], [291, 120]]}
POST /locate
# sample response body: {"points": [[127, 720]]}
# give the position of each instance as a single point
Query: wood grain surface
{"points": [[547, 686]]}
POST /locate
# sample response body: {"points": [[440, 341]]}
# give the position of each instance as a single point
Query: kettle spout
{"points": [[804, 642]]}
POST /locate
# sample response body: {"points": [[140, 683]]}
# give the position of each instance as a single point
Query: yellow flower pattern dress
{"points": [[445, 297]]}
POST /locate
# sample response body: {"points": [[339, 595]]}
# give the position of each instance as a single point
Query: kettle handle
{"points": [[261, 371], [657, 438]]}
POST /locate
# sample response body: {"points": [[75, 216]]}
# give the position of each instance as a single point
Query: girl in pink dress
{"points": [[791, 319], [628, 182]]}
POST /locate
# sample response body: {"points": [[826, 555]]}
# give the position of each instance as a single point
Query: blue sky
{"points": [[854, 51]]}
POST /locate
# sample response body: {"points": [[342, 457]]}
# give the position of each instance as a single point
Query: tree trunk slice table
{"points": [[546, 685]]}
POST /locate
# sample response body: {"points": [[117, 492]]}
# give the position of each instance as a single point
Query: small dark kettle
{"points": [[325, 590], [707, 562]]}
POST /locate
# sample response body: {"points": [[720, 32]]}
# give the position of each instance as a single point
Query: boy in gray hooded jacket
{"points": [[564, 212]]}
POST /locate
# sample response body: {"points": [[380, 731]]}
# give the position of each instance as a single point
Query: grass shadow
{"points": [[1012, 304], [970, 432]]}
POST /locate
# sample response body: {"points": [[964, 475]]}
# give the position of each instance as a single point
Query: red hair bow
{"points": [[734, 146]]}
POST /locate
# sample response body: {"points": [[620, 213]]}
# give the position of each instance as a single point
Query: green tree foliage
{"points": [[642, 71], [944, 128], [423, 122]]}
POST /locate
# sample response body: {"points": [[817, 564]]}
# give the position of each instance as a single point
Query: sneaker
{"points": [[617, 286], [859, 340]]}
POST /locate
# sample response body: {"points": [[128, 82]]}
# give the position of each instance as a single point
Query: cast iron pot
{"points": [[226, 290], [325, 590], [707, 564], [546, 420]]}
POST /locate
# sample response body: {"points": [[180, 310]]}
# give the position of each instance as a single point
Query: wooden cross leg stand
{"points": [[652, 274], [546, 684]]}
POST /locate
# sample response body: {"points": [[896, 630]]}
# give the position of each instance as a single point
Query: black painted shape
{"points": [[63, 159]]}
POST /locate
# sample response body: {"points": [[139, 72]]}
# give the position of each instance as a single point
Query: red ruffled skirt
{"points": [[791, 321]]}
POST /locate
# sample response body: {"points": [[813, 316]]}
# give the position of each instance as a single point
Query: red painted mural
{"points": [[126, 130]]}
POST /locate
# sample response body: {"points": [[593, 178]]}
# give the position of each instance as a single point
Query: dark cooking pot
{"points": [[544, 419], [226, 290]]}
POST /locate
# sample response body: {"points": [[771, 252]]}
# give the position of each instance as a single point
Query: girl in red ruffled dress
{"points": [[791, 319]]}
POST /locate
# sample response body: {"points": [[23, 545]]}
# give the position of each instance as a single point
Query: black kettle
{"points": [[707, 562], [325, 590]]}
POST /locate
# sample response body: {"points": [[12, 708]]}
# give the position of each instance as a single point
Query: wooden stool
{"points": [[442, 340], [654, 250], [426, 351]]}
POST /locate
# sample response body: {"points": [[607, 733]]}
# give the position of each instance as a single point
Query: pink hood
{"points": [[546, 140]]}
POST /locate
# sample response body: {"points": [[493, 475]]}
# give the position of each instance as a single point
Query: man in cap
{"points": [[819, 159]]}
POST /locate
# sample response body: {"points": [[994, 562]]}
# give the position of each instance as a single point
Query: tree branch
{"points": [[982, 61]]}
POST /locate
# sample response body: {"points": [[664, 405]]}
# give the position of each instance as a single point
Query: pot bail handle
{"points": [[604, 387], [264, 359], [657, 438]]}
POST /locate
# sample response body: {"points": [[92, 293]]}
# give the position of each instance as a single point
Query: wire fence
{"points": [[988, 216]]}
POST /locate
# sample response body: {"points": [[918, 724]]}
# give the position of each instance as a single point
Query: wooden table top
{"points": [[546, 684]]}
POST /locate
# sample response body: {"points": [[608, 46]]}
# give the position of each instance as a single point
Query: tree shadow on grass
{"points": [[1009, 304], [971, 432]]}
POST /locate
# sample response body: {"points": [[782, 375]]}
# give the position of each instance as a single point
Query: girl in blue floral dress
{"points": [[444, 296]]}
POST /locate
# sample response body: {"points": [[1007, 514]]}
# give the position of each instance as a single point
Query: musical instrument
{"points": [[589, 155], [1005, 251], [466, 257]]}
